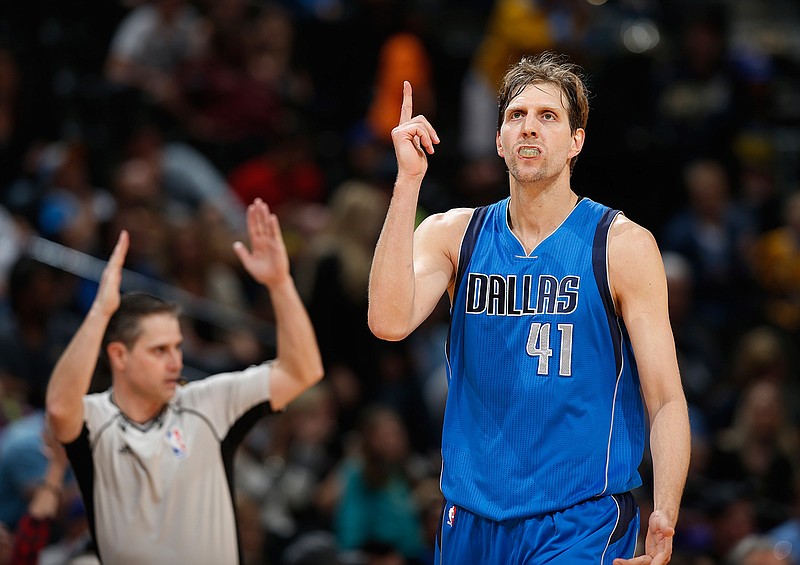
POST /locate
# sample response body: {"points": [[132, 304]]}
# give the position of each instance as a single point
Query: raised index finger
{"points": [[406, 108]]}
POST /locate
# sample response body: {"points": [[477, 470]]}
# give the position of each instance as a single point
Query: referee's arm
{"points": [[73, 372]]}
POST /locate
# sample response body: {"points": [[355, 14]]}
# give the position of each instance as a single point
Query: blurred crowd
{"points": [[168, 117]]}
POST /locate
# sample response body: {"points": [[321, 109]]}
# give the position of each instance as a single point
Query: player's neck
{"points": [[535, 214]]}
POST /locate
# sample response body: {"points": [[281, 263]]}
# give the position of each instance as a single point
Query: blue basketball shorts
{"points": [[596, 531]]}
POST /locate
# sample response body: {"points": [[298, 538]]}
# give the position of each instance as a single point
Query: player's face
{"points": [[152, 367], [535, 138]]}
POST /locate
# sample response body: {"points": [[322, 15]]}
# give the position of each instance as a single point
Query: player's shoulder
{"points": [[625, 232], [453, 221], [451, 215], [633, 252], [443, 231]]}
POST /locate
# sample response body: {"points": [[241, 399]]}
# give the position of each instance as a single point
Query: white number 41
{"points": [[539, 346]]}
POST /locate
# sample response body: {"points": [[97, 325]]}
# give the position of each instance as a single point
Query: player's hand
{"points": [[107, 299], [657, 545], [268, 261], [412, 138]]}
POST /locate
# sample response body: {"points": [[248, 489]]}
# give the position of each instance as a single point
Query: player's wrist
{"points": [[666, 516], [407, 179]]}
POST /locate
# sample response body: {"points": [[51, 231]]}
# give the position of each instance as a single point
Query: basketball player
{"points": [[559, 328], [154, 460]]}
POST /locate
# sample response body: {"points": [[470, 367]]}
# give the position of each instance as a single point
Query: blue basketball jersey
{"points": [[544, 409]]}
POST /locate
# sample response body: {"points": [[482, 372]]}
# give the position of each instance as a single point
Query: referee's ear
{"points": [[117, 356]]}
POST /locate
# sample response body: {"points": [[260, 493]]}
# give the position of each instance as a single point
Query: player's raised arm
{"points": [[73, 372], [298, 364], [407, 279]]}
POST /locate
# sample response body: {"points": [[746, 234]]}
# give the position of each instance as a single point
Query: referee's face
{"points": [[152, 367]]}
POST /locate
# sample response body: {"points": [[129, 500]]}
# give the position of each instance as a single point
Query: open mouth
{"points": [[529, 151]]}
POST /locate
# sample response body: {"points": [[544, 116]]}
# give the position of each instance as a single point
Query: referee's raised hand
{"points": [[108, 296], [267, 260]]}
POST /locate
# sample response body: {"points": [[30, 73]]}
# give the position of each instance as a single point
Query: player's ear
{"points": [[499, 145], [577, 141]]}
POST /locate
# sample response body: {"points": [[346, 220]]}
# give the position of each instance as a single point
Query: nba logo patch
{"points": [[451, 516], [176, 443]]}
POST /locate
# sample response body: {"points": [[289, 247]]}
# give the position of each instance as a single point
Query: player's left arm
{"points": [[638, 282]]}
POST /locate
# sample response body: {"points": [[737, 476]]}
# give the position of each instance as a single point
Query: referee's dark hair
{"points": [[124, 325]]}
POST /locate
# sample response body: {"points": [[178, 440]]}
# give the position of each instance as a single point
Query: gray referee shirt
{"points": [[162, 492]]}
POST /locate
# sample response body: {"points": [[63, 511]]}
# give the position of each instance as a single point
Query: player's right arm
{"points": [[73, 372], [410, 271]]}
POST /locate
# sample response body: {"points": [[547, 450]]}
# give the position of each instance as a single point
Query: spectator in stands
{"points": [[376, 504], [776, 267], [282, 464], [37, 526], [334, 282], [714, 234], [38, 326], [153, 40], [758, 453], [759, 550], [23, 465]]}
